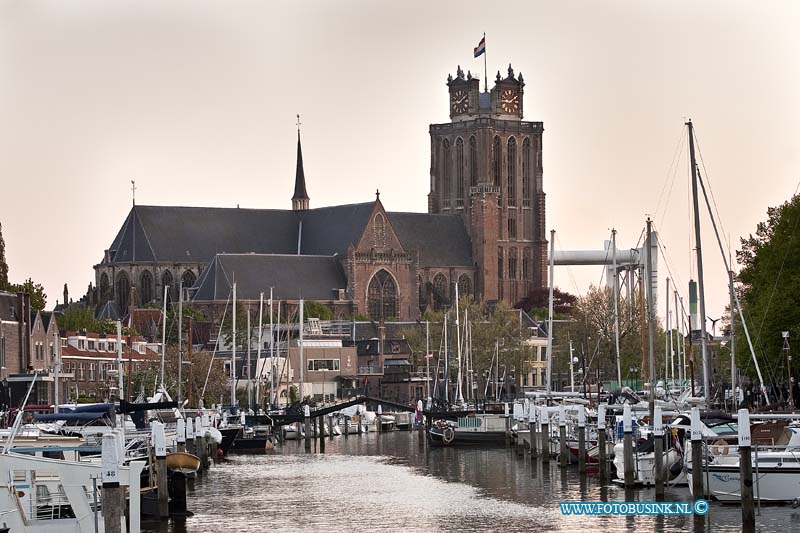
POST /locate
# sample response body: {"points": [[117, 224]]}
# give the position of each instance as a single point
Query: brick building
{"points": [[484, 231]]}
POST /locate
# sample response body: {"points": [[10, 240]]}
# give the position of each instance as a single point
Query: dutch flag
{"points": [[481, 48]]}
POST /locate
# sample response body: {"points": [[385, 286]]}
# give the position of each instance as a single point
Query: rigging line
{"points": [[713, 200], [675, 154], [672, 186], [216, 345], [668, 263], [780, 271], [569, 271]]}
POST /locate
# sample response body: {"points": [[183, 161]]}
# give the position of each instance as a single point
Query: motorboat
{"points": [[473, 429]]}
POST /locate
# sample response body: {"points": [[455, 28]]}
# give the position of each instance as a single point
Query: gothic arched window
{"points": [[497, 161], [379, 230], [382, 297], [512, 171], [446, 168], [123, 285], [168, 281], [464, 286], [526, 172], [146, 289], [500, 264], [459, 172], [473, 161], [441, 292], [105, 288], [512, 263], [526, 264], [188, 279]]}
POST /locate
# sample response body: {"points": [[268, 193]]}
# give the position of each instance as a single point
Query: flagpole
{"points": [[485, 75]]}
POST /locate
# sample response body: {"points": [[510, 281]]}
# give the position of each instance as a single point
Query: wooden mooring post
{"points": [[627, 441], [582, 440], [534, 436], [697, 455], [746, 472], [658, 434], [563, 453], [601, 442], [307, 427], [545, 434], [180, 434], [378, 420], [330, 426], [160, 447], [321, 434], [201, 442], [113, 493]]}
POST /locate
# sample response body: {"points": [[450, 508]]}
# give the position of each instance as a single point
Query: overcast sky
{"points": [[196, 101]]}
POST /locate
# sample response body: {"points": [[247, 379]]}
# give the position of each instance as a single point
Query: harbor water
{"points": [[396, 482]]}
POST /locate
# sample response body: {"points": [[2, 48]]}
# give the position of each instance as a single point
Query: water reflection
{"points": [[394, 481]]}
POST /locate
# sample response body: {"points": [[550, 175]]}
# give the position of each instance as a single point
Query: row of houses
{"points": [[31, 344]]}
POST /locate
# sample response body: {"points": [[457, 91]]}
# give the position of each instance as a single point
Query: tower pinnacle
{"points": [[300, 199]]}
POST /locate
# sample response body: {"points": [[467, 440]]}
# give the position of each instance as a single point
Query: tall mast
{"points": [[459, 392], [163, 335], [733, 338], [180, 344], [249, 343], [446, 363], [233, 351], [550, 316], [678, 337], [650, 320], [668, 341], [260, 371], [616, 305], [302, 361], [703, 348]]}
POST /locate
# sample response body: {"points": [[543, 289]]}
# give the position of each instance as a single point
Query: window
{"points": [[91, 372], [497, 161], [526, 266], [382, 297], [526, 172], [81, 372], [52, 349], [323, 364], [512, 228], [441, 291], [80, 344], [500, 263], [105, 290], [91, 345], [512, 171], [459, 172], [379, 231], [167, 281], [464, 285], [446, 172], [512, 263], [188, 279], [123, 291], [146, 289], [473, 161]]}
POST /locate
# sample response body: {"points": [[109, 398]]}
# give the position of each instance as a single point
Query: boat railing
{"points": [[53, 507]]}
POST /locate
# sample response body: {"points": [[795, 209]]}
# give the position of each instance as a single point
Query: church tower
{"points": [[300, 199], [486, 165]]}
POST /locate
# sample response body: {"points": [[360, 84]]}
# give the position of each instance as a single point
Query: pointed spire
{"points": [[300, 199]]}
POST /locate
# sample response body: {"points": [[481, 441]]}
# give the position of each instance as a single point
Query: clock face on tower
{"points": [[509, 101], [460, 101]]}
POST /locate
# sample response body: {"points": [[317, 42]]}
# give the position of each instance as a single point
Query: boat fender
{"points": [[675, 469], [448, 435]]}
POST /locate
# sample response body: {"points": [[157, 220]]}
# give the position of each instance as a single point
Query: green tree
{"points": [[77, 318], [36, 291], [769, 288], [313, 309], [3, 264]]}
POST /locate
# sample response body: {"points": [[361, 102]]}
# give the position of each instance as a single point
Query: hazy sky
{"points": [[196, 101]]}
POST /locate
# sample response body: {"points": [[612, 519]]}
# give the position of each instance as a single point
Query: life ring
{"points": [[720, 447], [448, 434]]}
